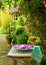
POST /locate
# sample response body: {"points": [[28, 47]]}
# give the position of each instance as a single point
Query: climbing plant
{"points": [[35, 12], [32, 7], [11, 3]]}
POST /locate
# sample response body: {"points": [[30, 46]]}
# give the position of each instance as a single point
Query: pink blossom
{"points": [[23, 46], [33, 39], [44, 2], [16, 46], [29, 47]]}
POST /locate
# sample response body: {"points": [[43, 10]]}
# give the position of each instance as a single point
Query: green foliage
{"points": [[20, 2], [35, 11], [25, 6], [32, 7], [18, 31], [43, 47], [6, 21], [22, 39], [43, 30], [2, 31], [43, 62], [9, 36], [36, 6], [8, 2], [18, 26], [19, 21], [4, 3]]}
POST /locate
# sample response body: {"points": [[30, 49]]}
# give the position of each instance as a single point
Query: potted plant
{"points": [[20, 39], [9, 38]]}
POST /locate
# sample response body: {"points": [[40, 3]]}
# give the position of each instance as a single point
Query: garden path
{"points": [[2, 38], [4, 49]]}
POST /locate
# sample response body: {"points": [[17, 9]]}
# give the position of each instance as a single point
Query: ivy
{"points": [[11, 3]]}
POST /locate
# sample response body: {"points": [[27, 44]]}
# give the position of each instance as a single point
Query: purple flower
{"points": [[16, 46], [29, 47], [33, 39], [23, 46]]}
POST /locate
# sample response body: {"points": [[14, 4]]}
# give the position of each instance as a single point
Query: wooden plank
{"points": [[13, 53]]}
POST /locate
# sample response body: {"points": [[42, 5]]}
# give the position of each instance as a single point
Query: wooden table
{"points": [[17, 56]]}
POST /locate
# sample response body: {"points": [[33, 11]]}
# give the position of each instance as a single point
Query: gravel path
{"points": [[4, 49], [2, 38]]}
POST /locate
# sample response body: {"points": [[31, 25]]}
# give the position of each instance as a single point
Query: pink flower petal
{"points": [[16, 46], [24, 46]]}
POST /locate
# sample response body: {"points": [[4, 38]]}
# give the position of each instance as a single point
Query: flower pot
{"points": [[9, 40]]}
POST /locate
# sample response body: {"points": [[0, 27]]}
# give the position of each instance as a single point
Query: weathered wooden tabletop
{"points": [[13, 53]]}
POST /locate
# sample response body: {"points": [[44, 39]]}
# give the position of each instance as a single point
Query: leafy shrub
{"points": [[43, 62], [18, 31], [43, 30], [19, 21], [21, 39], [6, 21], [9, 36]]}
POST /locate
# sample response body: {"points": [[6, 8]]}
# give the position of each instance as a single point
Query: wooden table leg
{"points": [[20, 62], [15, 62]]}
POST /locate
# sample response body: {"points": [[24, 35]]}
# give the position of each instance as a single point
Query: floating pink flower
{"points": [[16, 46], [23, 46]]}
